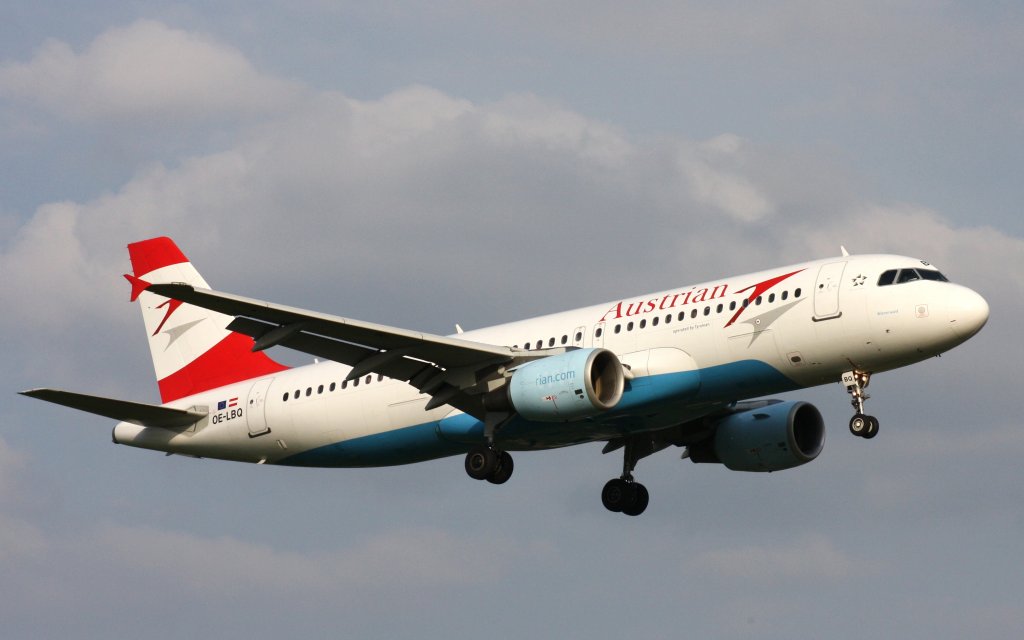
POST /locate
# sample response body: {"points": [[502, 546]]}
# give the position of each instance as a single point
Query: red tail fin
{"points": [[192, 349]]}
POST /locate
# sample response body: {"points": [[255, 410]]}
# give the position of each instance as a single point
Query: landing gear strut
{"points": [[623, 494], [861, 425]]}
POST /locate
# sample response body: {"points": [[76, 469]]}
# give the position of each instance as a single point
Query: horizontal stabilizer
{"points": [[145, 415]]}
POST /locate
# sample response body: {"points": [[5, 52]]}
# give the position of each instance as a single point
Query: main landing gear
{"points": [[861, 425], [623, 494], [487, 463]]}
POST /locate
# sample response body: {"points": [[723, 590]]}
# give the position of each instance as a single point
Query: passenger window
{"points": [[540, 344], [668, 318], [758, 301], [355, 383], [707, 310], [285, 398], [796, 294], [551, 342], [907, 275], [682, 315], [771, 298], [565, 339], [368, 378], [618, 328], [785, 294], [333, 386], [599, 332], [309, 391], [887, 278], [629, 326], [732, 306], [746, 302], [320, 389], [719, 308], [654, 321], [643, 323], [344, 384], [579, 336], [693, 314], [380, 377], [297, 394]]}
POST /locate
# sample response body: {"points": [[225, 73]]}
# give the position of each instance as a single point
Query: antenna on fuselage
{"points": [[846, 253]]}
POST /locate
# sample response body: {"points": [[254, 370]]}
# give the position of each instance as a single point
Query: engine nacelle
{"points": [[771, 438], [570, 386]]}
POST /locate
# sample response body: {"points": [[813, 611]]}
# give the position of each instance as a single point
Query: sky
{"points": [[481, 162]]}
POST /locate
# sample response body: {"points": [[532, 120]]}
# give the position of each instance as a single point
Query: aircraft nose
{"points": [[968, 313]]}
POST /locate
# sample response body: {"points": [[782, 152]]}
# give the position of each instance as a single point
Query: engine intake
{"points": [[570, 386], [771, 438]]}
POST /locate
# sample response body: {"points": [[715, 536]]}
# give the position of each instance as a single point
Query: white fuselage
{"points": [[691, 351]]}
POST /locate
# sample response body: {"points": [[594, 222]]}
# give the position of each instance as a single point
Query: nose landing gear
{"points": [[861, 424]]}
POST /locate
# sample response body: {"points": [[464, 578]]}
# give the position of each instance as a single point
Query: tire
{"points": [[615, 495], [872, 429], [859, 424], [504, 470], [481, 463], [640, 500]]}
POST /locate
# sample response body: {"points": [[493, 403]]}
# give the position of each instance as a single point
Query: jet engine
{"points": [[569, 386], [770, 438]]}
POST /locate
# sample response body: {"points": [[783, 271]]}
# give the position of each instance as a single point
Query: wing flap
{"points": [[146, 415]]}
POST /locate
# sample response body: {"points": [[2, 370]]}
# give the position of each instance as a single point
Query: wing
{"points": [[451, 370], [146, 415]]}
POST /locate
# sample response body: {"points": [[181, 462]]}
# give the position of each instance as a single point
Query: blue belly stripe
{"points": [[454, 435]]}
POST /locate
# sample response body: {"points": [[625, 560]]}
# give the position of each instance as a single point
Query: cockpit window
{"points": [[899, 276], [932, 275], [907, 275], [887, 278]]}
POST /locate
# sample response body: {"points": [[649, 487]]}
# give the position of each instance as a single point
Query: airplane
{"points": [[687, 367]]}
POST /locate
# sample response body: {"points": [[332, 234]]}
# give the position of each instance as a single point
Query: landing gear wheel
{"points": [[872, 427], [640, 500], [482, 463], [615, 494], [858, 425], [864, 426], [622, 496], [504, 470]]}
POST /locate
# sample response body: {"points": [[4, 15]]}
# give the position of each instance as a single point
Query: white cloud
{"points": [[147, 70]]}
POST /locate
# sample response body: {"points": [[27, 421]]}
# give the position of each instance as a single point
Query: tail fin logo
{"points": [[172, 306], [138, 286]]}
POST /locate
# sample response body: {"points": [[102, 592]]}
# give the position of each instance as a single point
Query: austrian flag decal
{"points": [[226, 404]]}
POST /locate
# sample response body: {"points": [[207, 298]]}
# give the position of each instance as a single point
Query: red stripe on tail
{"points": [[229, 361]]}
